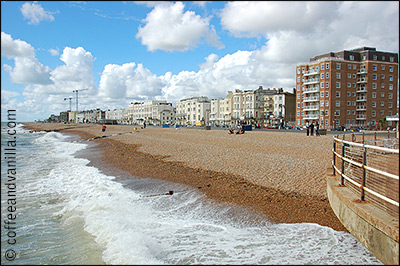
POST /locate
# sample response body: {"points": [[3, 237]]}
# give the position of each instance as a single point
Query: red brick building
{"points": [[355, 88]]}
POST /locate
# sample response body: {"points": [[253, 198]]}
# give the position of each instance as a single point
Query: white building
{"points": [[154, 112], [117, 115], [221, 110], [193, 110]]}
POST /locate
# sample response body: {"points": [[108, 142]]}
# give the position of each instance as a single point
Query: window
{"points": [[327, 94], [382, 113], [337, 112], [338, 76], [326, 103], [374, 67], [322, 66], [354, 103], [322, 103], [382, 103], [354, 94], [337, 103], [348, 85], [322, 94], [373, 104], [390, 104], [390, 78], [348, 94], [391, 59], [374, 86], [374, 95], [382, 85], [390, 87], [383, 57], [373, 113], [338, 85], [374, 76], [327, 65], [348, 103], [353, 113], [349, 65], [348, 75], [327, 85], [390, 96], [383, 76], [322, 85], [390, 69], [351, 58], [327, 75], [383, 67], [322, 75], [375, 57], [338, 94], [298, 71], [382, 94], [348, 112], [338, 66]]}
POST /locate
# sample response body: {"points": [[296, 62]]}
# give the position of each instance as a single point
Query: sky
{"points": [[117, 52]]}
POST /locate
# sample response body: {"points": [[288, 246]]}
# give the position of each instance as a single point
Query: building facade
{"points": [[153, 112], [355, 88], [191, 111]]}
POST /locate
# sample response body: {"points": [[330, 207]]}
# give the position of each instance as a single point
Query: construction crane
{"points": [[76, 97], [70, 98]]}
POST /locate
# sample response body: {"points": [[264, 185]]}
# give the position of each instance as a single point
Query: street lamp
{"points": [[70, 98]]}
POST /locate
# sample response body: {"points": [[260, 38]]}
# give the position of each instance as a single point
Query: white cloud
{"points": [[54, 52], [169, 28], [27, 69], [15, 48], [35, 13], [118, 81]]}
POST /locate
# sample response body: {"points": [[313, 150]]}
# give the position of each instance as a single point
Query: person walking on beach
{"points": [[312, 128], [308, 128], [103, 129], [317, 129]]}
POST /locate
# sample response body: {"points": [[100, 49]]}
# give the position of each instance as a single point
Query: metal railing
{"points": [[368, 164]]}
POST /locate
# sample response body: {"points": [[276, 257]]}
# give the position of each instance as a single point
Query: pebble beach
{"points": [[281, 175]]}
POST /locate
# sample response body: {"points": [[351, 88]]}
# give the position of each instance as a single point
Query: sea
{"points": [[58, 208]]}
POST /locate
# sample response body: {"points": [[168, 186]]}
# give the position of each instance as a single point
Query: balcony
{"points": [[310, 90], [361, 108], [311, 116], [361, 89], [311, 81], [362, 71], [311, 99], [311, 108], [362, 80], [361, 117], [361, 99], [311, 72]]}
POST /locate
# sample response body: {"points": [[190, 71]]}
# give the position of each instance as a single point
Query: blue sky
{"points": [[119, 52]]}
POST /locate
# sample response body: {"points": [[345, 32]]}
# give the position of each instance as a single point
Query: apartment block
{"points": [[350, 88], [193, 110]]}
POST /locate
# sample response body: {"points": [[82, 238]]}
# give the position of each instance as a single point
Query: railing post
{"points": [[364, 176], [342, 178], [334, 156]]}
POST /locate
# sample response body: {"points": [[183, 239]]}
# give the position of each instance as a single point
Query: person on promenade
{"points": [[144, 124], [312, 129], [317, 129], [308, 128], [230, 131]]}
